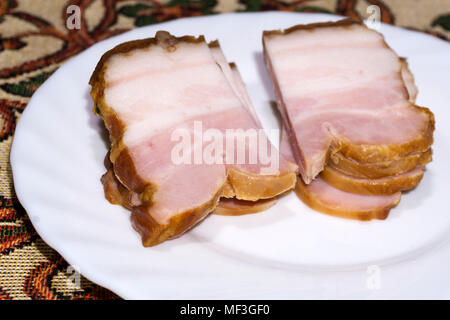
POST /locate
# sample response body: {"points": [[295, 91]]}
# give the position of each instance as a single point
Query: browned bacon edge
{"points": [[376, 170], [385, 185]]}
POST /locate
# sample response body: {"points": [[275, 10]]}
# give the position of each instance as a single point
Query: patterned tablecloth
{"points": [[35, 41]]}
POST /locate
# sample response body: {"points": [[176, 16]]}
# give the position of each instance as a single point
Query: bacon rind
{"points": [[385, 185], [234, 207], [376, 170], [319, 202]]}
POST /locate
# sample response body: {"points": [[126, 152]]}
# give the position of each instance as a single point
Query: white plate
{"points": [[288, 251]]}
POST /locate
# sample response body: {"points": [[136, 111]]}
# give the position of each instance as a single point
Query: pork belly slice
{"points": [[376, 170], [340, 89], [321, 196], [235, 207], [233, 76], [146, 90], [285, 146], [114, 191], [385, 185], [408, 80], [117, 194], [288, 157]]}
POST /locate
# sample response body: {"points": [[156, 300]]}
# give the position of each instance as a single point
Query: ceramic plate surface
{"points": [[289, 251]]}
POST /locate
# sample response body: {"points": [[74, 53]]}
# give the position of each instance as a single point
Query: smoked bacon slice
{"points": [[385, 185], [340, 89], [321, 196], [324, 197], [145, 90], [116, 193]]}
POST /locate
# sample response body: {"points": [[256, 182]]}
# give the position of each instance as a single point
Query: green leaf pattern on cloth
{"points": [[443, 21]]}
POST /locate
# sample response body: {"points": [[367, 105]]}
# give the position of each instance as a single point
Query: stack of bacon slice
{"points": [[347, 103], [146, 90]]}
